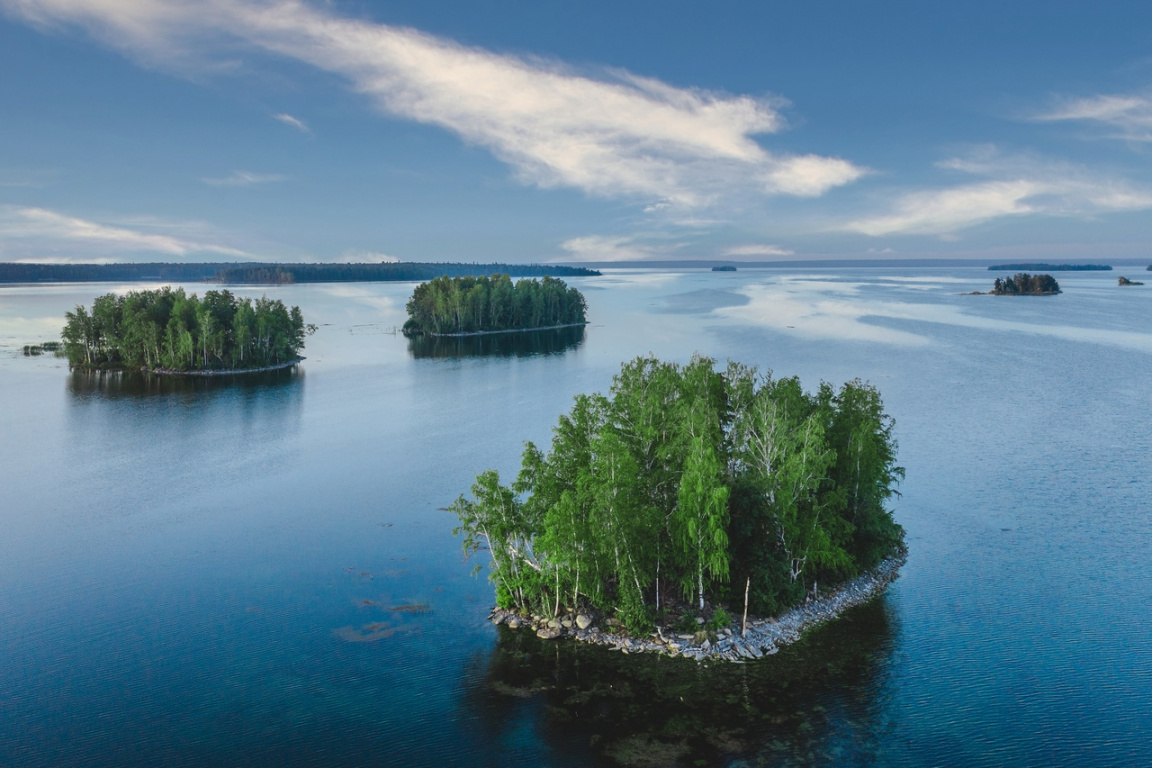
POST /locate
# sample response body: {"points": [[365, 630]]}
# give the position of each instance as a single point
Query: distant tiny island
{"points": [[687, 499], [1043, 267], [1023, 284], [167, 331], [724, 268], [463, 306], [1125, 281]]}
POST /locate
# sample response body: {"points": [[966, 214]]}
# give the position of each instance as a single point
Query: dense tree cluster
{"points": [[1045, 267], [398, 271], [1025, 284], [688, 483], [166, 329], [268, 273], [472, 304]]}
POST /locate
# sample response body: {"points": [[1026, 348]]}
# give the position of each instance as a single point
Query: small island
{"points": [[1024, 284], [724, 268], [688, 500], [167, 331], [467, 306], [1125, 281]]}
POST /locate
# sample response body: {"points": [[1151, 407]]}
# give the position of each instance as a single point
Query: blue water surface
{"points": [[261, 572]]}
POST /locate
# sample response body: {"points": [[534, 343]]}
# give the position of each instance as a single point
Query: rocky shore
{"points": [[764, 637], [225, 371]]}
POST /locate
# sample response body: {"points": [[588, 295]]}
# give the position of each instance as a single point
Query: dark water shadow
{"points": [[137, 384], [702, 302], [822, 701], [554, 341]]}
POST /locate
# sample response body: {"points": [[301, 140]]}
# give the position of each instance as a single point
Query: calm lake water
{"points": [[205, 573]]}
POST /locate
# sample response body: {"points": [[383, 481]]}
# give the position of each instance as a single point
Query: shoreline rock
{"points": [[765, 636]]}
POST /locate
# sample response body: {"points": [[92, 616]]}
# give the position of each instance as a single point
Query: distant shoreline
{"points": [[506, 330]]}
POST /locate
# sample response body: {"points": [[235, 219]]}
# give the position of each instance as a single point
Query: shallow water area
{"points": [[260, 571]]}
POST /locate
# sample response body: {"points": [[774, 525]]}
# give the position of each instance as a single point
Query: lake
{"points": [[225, 572]]}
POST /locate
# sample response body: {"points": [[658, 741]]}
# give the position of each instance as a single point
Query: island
{"points": [[1125, 281], [688, 499], [724, 268], [1044, 267], [463, 306], [1024, 284], [270, 273], [167, 331]]}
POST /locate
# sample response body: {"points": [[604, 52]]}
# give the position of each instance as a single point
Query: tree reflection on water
{"points": [[819, 702], [553, 341]]}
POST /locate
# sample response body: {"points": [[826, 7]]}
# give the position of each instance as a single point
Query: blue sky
{"points": [[544, 131]]}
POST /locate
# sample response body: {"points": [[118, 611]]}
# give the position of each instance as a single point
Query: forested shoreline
{"points": [[1045, 267], [166, 330], [457, 306], [258, 273], [689, 494]]}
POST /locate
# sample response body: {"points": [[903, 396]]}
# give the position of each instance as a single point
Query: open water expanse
{"points": [[209, 572]]}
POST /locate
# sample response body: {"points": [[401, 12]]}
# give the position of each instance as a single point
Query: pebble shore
{"points": [[764, 637]]}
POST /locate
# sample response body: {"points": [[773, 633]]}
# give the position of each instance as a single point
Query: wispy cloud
{"points": [[612, 134], [34, 233], [608, 248], [358, 256], [295, 122], [757, 249], [245, 179], [1014, 186], [1126, 116]]}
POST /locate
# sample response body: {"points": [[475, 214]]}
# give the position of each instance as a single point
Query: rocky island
{"points": [[167, 331], [677, 512], [1024, 284], [468, 306], [1125, 281]]}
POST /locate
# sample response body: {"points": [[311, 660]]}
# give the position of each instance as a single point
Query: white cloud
{"points": [[602, 248], [612, 135], [1129, 116], [357, 256], [38, 233], [295, 122], [1018, 186], [757, 249], [245, 179]]}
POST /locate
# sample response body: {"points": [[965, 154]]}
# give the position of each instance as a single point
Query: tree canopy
{"points": [[166, 329], [481, 304], [265, 273], [1024, 284], [683, 481]]}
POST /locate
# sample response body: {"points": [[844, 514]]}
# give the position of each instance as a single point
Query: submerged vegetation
{"points": [[31, 350], [1024, 284], [457, 305], [167, 330], [688, 489]]}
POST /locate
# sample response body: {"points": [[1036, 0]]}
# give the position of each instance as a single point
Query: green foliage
{"points": [[472, 304], [167, 329], [1025, 284], [685, 477]]}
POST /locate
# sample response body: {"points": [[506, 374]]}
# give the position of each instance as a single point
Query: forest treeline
{"points": [[492, 303], [686, 485], [1042, 266], [167, 329], [268, 274], [1025, 284]]}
